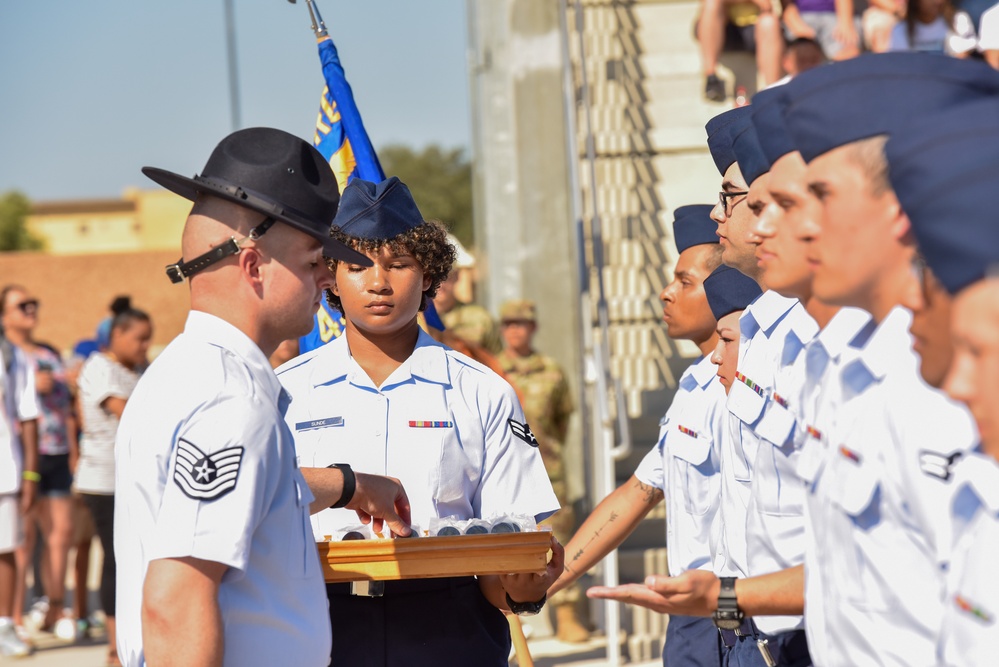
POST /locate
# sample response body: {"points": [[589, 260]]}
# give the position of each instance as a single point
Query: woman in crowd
{"points": [[106, 381], [57, 447]]}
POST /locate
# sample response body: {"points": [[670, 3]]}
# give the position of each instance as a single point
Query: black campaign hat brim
{"points": [[190, 188]]}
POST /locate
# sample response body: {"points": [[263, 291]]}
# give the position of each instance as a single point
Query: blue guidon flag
{"points": [[204, 476]]}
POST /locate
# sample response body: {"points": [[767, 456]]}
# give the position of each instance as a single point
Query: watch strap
{"points": [[349, 485]]}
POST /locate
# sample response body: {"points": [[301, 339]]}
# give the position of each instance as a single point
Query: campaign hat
{"points": [[273, 173]]}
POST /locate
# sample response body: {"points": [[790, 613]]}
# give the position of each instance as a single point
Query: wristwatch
{"points": [[728, 616], [526, 608], [349, 485]]}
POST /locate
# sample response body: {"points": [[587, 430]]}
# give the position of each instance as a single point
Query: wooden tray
{"points": [[429, 557]]}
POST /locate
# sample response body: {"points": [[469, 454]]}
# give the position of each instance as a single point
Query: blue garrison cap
{"points": [[768, 119], [746, 145], [875, 94], [943, 170], [728, 290], [377, 210], [721, 131], [692, 225]]}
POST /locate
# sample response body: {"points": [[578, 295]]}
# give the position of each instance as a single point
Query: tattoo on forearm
{"points": [[651, 493]]}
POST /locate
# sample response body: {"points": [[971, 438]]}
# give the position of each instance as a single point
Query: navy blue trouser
{"points": [[788, 649], [418, 623], [691, 641]]}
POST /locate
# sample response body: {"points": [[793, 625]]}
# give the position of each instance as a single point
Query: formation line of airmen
{"points": [[846, 514]]}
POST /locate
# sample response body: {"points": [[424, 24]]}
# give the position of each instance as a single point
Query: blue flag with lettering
{"points": [[341, 138]]}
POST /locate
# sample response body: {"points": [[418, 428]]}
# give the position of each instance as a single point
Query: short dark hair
{"points": [[124, 317], [427, 243]]}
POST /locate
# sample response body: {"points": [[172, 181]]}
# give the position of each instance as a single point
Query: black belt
{"points": [[405, 586]]}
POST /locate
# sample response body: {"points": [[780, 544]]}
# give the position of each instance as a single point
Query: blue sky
{"points": [[94, 90]]}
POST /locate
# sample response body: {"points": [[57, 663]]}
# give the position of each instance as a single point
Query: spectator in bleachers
{"points": [[933, 26], [56, 446], [749, 26], [831, 23], [877, 22], [801, 54], [988, 36]]}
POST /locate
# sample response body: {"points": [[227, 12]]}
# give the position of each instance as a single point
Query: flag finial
{"points": [[318, 26]]}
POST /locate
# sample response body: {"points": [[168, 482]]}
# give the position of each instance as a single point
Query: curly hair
{"points": [[427, 243]]}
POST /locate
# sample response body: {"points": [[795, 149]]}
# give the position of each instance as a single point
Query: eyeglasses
{"points": [[724, 197], [29, 307]]}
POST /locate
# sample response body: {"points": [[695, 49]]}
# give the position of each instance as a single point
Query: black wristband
{"points": [[349, 485]]}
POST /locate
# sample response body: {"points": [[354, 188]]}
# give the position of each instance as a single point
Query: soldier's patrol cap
{"points": [[753, 162], [943, 170], [768, 119], [377, 210], [729, 290], [877, 94], [721, 131], [518, 310], [692, 225]]}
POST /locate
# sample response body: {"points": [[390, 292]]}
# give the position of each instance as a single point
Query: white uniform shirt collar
{"points": [[845, 326], [764, 313], [703, 371], [980, 473], [216, 331], [889, 347], [427, 362]]}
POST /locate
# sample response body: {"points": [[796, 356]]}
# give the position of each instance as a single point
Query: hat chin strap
{"points": [[181, 269]]}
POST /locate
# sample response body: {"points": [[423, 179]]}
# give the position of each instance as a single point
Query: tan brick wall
{"points": [[75, 291]]}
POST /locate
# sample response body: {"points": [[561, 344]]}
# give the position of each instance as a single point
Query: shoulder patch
{"points": [[522, 431], [206, 476], [938, 465]]}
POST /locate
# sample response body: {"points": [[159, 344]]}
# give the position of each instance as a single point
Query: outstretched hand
{"points": [[693, 593]]}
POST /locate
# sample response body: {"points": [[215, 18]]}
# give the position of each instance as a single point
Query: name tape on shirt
{"points": [[522, 431], [206, 476], [319, 423], [938, 465]]}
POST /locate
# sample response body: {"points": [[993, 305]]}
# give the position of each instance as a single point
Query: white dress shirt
{"points": [[206, 468], [686, 463], [447, 427]]}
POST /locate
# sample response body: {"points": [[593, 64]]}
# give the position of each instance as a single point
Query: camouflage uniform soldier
{"points": [[547, 404]]}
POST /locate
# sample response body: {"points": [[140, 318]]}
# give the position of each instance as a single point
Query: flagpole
{"points": [[230, 39]]}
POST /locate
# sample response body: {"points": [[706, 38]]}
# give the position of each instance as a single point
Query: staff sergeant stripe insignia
{"points": [[749, 383], [522, 431], [415, 423], [203, 476]]}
